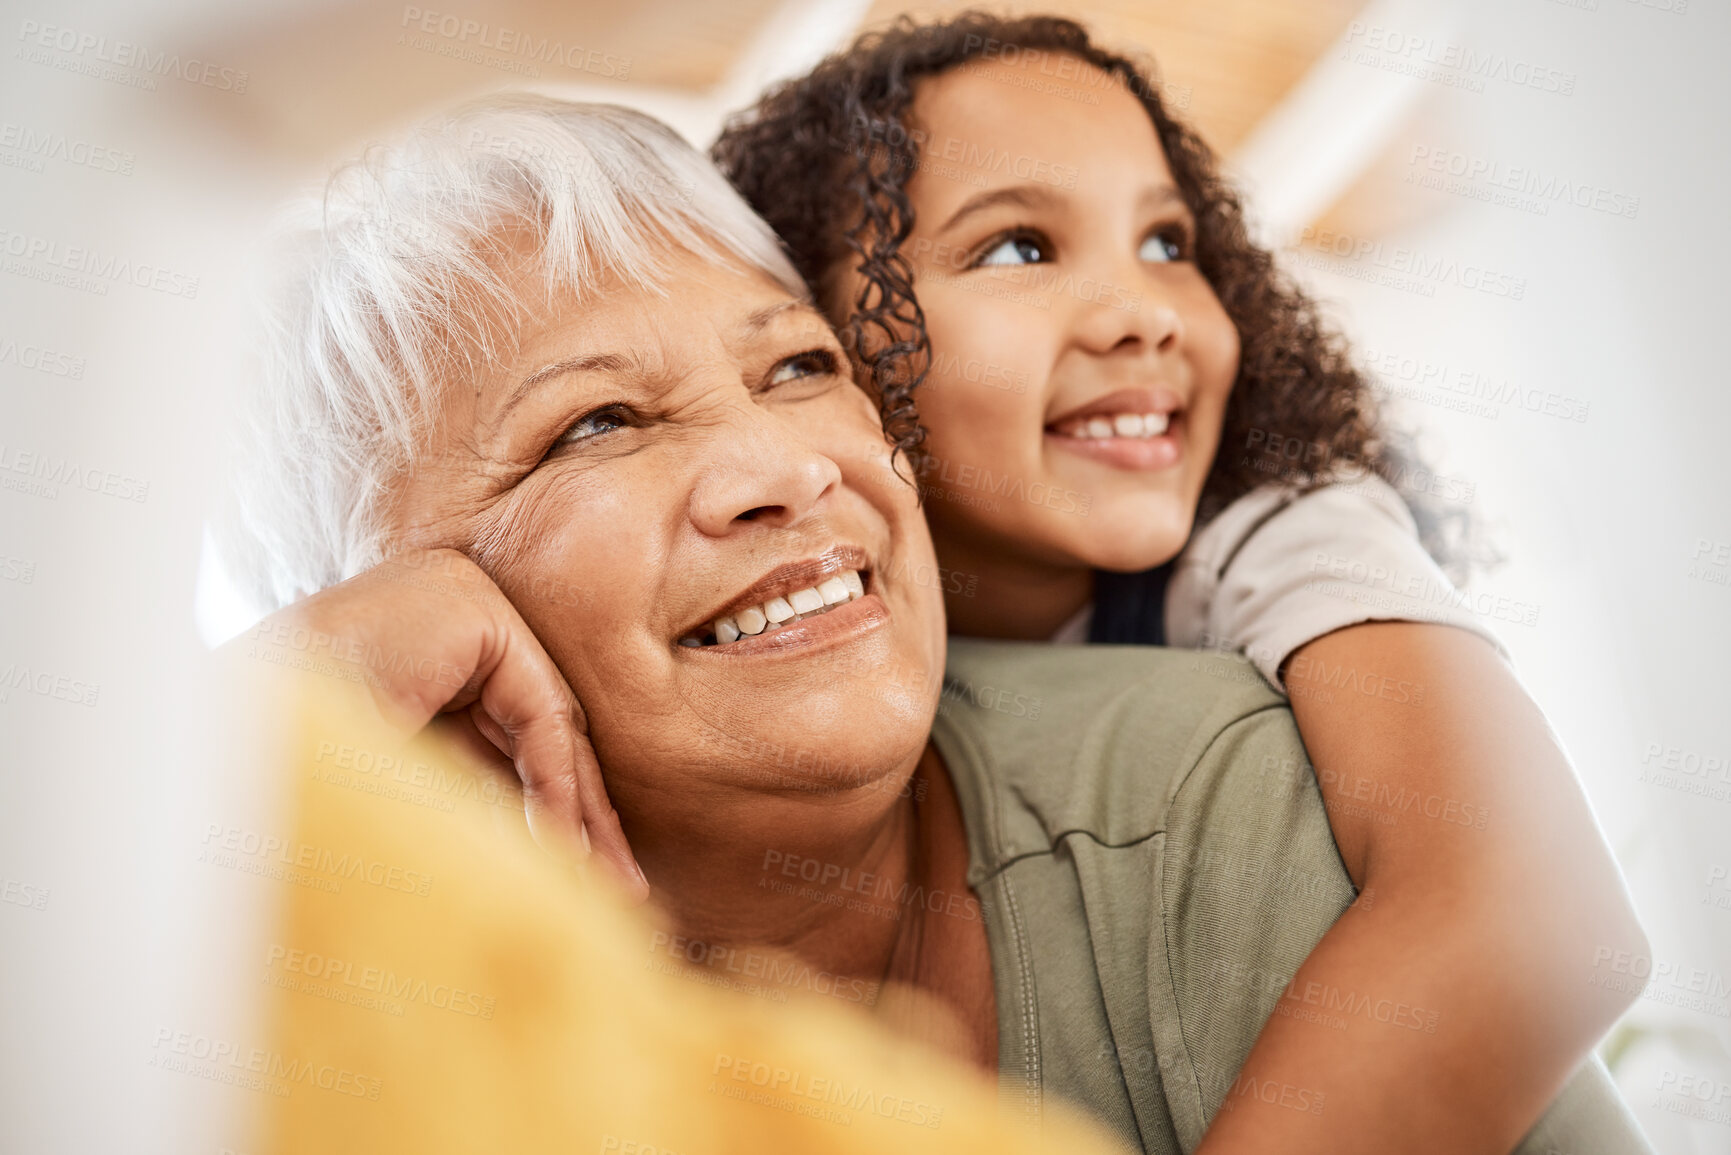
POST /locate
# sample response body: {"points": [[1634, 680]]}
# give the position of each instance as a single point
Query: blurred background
{"points": [[1511, 206]]}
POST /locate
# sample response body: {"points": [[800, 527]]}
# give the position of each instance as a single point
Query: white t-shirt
{"points": [[1283, 566]]}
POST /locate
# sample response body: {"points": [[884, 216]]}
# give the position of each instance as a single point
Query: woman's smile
{"points": [[797, 606]]}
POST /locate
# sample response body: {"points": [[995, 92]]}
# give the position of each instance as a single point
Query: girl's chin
{"points": [[1059, 523], [1132, 539], [1135, 562]]}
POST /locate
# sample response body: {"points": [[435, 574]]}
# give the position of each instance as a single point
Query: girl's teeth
{"points": [[1136, 425], [809, 602]]}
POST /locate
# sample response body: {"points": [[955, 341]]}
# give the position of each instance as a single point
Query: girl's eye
{"points": [[811, 363], [1162, 247], [1021, 249], [591, 425]]}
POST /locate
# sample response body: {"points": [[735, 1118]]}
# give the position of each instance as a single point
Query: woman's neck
{"points": [[743, 865], [847, 883]]}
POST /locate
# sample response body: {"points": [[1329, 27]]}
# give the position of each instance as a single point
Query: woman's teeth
{"points": [[1118, 425], [807, 603]]}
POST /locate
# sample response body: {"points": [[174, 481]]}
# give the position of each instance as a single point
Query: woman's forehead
{"points": [[700, 315], [695, 302]]}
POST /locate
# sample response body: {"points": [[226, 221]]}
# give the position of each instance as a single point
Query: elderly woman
{"points": [[552, 422]]}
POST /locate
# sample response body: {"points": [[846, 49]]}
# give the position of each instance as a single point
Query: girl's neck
{"points": [[991, 594]]}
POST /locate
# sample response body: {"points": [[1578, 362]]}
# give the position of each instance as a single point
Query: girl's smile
{"points": [[1130, 429]]}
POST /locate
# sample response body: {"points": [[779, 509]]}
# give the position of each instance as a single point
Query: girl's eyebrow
{"points": [[1162, 194], [1037, 196], [1026, 196]]}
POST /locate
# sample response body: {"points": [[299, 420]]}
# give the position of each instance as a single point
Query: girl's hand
{"points": [[431, 634]]}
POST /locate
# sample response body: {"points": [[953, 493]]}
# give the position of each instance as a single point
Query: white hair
{"points": [[397, 284]]}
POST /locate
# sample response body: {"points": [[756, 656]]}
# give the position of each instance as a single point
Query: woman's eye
{"points": [[1017, 250], [811, 363], [1162, 247], [603, 420]]}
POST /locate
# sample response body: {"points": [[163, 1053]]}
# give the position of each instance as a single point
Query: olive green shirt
{"points": [[1151, 851]]}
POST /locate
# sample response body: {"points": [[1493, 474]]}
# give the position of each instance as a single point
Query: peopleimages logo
{"points": [[236, 847], [254, 1068], [86, 269], [27, 355], [1427, 58], [343, 981], [1481, 178], [16, 677], [1464, 388], [1665, 981], [785, 1088], [42, 475], [86, 52], [1423, 269], [25, 147], [521, 50]]}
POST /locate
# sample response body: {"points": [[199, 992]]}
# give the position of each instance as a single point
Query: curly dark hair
{"points": [[826, 160]]}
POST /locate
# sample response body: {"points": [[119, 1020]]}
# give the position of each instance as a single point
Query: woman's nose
{"points": [[758, 469]]}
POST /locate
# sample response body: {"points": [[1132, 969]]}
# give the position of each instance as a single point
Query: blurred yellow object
{"points": [[440, 984]]}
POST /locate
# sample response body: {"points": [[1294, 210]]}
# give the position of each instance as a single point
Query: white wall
{"points": [[104, 806], [1602, 519]]}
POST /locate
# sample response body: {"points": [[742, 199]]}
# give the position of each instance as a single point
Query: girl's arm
{"points": [[1448, 1006]]}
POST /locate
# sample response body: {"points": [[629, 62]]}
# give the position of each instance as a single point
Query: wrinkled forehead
{"points": [[691, 302], [691, 325]]}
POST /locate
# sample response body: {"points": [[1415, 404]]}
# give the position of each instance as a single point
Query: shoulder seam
{"points": [[1255, 527], [1179, 782]]}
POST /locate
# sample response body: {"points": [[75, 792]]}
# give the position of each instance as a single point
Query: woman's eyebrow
{"points": [[752, 325], [588, 363], [759, 320]]}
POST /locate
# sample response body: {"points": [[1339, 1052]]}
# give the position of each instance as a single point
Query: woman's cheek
{"points": [[543, 539], [843, 425]]}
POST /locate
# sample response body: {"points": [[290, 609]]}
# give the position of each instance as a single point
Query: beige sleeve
{"points": [[1280, 567]]}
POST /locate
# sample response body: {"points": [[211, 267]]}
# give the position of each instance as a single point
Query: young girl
{"points": [[1135, 430]]}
